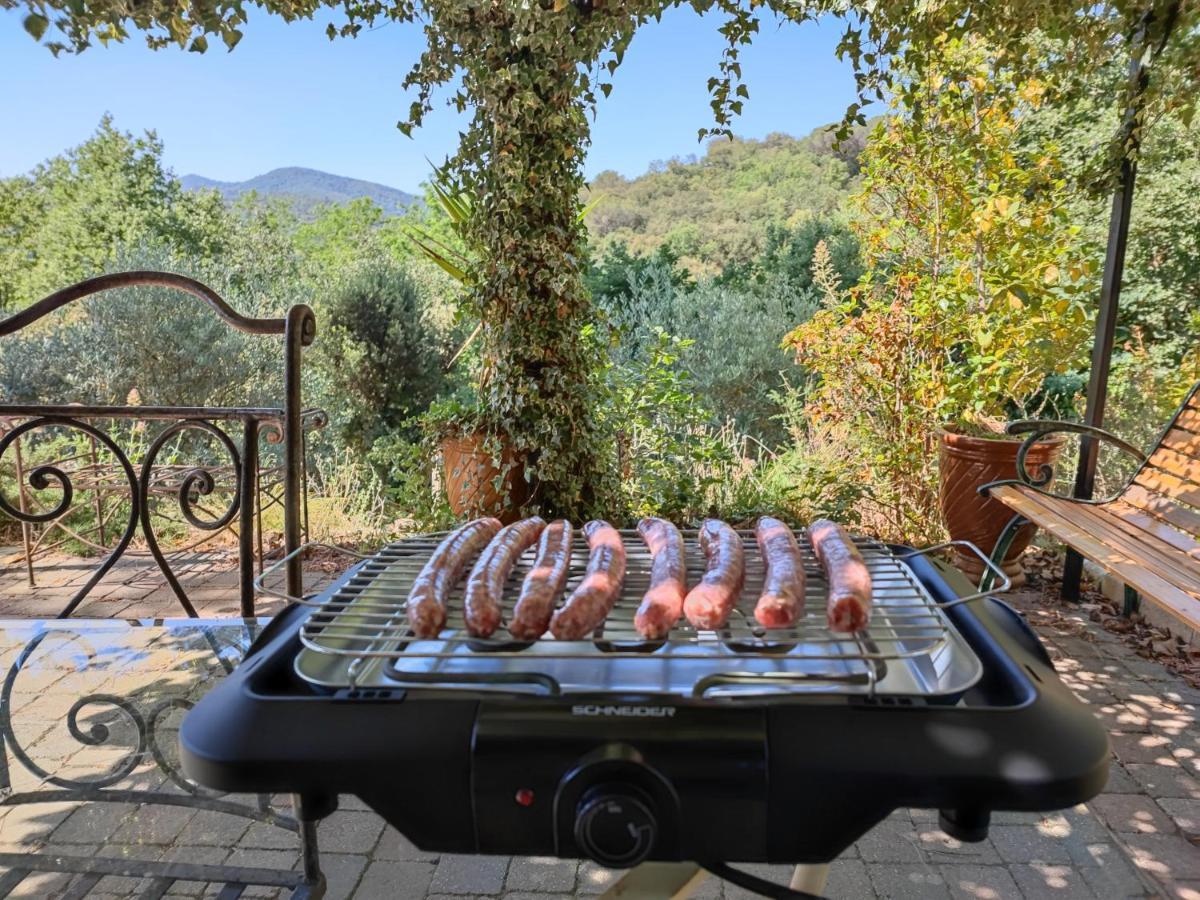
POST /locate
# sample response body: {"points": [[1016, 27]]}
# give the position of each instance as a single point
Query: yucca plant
{"points": [[457, 207]]}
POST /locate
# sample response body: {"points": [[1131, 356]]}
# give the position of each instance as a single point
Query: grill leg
{"points": [[810, 878], [309, 811], [657, 881]]}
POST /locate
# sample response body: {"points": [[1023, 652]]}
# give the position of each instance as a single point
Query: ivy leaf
{"points": [[36, 24]]}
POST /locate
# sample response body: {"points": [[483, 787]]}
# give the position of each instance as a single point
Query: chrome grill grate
{"points": [[358, 637]]}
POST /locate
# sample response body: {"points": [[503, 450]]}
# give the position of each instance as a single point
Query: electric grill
{"points": [[739, 745]]}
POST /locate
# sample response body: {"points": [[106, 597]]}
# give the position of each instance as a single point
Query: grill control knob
{"points": [[615, 826]]}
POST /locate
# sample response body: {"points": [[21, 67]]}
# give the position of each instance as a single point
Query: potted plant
{"points": [[977, 271], [481, 472], [485, 469], [969, 457]]}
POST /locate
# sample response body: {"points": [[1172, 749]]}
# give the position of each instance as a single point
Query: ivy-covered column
{"points": [[521, 161]]}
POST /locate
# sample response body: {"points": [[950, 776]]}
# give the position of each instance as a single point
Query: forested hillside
{"points": [[305, 190], [715, 210]]}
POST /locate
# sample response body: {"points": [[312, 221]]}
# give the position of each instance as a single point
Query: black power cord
{"points": [[756, 885]]}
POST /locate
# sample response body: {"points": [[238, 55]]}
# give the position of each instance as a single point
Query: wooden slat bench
{"points": [[1147, 535]]}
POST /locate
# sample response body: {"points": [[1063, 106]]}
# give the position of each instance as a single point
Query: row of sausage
{"points": [[707, 605]]}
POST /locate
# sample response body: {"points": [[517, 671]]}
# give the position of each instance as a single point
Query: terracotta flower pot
{"points": [[471, 479], [964, 464]]}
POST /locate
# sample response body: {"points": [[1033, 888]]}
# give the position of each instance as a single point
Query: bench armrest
{"points": [[1037, 429]]}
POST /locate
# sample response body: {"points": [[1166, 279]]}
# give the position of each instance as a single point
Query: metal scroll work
{"points": [[1037, 430], [226, 491], [113, 752]]}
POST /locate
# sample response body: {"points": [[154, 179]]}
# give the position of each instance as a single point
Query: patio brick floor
{"points": [[1134, 840], [133, 588]]}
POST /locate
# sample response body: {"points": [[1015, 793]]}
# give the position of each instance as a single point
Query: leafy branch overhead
{"points": [[1086, 36]]}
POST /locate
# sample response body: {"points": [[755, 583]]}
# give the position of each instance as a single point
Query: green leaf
{"points": [[36, 24]]}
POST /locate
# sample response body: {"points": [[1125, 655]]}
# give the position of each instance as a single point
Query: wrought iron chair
{"points": [[142, 480], [145, 779]]}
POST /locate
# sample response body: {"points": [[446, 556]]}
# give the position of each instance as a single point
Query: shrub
{"points": [[732, 340], [376, 357], [666, 454], [971, 295], [407, 470]]}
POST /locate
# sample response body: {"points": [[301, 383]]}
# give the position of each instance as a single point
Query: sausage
{"points": [[782, 600], [544, 583], [485, 584], [663, 603], [590, 603], [427, 599], [849, 602], [708, 605]]}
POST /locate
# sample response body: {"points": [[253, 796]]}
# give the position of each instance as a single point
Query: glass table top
{"points": [[92, 798]]}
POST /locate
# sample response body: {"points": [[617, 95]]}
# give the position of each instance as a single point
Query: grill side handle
{"points": [[261, 588], [999, 579]]}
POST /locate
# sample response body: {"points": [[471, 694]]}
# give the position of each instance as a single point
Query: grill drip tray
{"points": [[359, 638]]}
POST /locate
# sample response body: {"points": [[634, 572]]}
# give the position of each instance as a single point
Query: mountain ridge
{"points": [[306, 189]]}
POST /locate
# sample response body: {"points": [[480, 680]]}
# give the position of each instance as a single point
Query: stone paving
{"points": [[1135, 840], [133, 588]]}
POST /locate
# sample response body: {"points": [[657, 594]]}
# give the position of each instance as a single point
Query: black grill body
{"points": [[623, 778]]}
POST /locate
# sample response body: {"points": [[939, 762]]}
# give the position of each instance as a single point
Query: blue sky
{"points": [[289, 96]]}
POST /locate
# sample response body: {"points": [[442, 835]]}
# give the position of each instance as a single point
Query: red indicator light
{"points": [[524, 797]]}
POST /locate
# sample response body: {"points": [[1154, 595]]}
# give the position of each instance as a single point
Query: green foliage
{"points": [[67, 219], [715, 212], [969, 308], [456, 208], [787, 261], [814, 476], [616, 274], [531, 72], [667, 456], [341, 235], [377, 356], [970, 298], [1160, 298], [731, 340], [408, 470]]}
